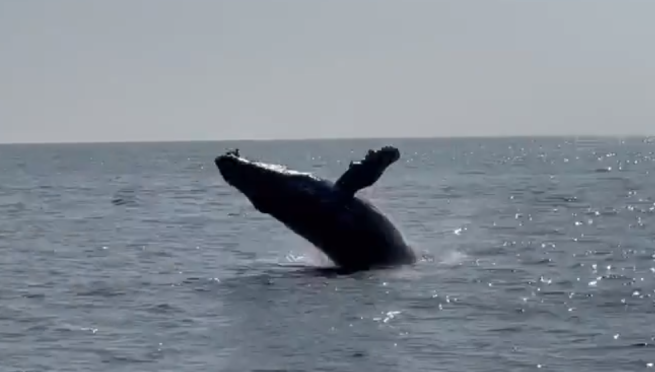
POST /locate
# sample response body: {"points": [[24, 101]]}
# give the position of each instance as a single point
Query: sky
{"points": [[164, 70]]}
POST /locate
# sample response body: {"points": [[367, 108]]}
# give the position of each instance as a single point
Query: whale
{"points": [[349, 229]]}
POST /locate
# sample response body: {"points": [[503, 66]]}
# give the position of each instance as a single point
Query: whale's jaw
{"points": [[270, 187]]}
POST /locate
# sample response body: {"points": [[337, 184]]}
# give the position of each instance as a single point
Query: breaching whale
{"points": [[350, 230]]}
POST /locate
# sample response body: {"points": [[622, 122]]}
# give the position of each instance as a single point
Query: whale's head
{"points": [[270, 187]]}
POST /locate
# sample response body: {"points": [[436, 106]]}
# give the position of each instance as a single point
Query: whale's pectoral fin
{"points": [[365, 173]]}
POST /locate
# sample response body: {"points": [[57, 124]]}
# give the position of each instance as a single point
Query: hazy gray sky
{"points": [[79, 70]]}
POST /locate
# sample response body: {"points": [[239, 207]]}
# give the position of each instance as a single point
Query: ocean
{"points": [[536, 254]]}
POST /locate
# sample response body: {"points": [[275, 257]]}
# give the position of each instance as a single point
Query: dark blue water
{"points": [[538, 255]]}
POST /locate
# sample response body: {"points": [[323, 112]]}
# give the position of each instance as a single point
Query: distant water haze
{"points": [[75, 71]]}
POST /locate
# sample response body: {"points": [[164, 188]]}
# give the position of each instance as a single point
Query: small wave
{"points": [[125, 197]]}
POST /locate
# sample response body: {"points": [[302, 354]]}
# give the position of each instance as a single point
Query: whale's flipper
{"points": [[363, 174]]}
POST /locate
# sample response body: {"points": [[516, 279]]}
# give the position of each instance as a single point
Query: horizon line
{"points": [[335, 138]]}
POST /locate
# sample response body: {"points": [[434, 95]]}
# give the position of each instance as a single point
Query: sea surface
{"points": [[537, 254]]}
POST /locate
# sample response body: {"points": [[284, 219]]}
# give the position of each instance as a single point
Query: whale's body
{"points": [[350, 230]]}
